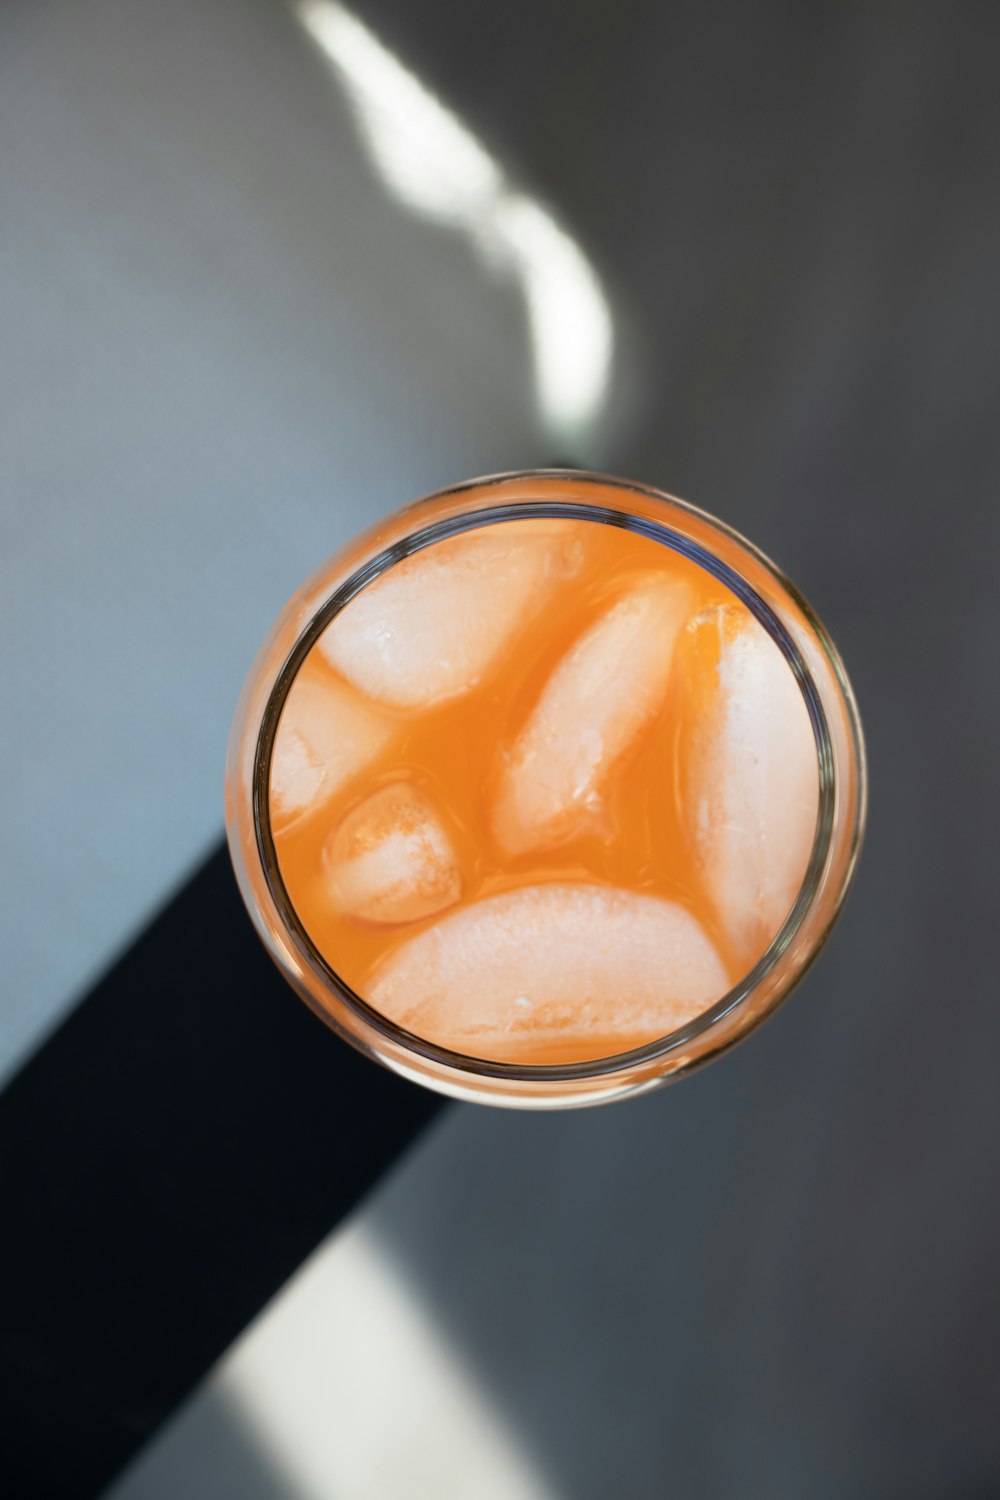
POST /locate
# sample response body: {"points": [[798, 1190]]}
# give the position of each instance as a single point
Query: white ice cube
{"points": [[391, 859], [575, 966], [326, 735], [749, 777], [432, 626], [607, 689]]}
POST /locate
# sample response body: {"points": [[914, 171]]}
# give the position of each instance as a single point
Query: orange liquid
{"points": [[636, 840]]}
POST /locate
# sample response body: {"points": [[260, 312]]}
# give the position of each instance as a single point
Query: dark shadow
{"points": [[171, 1156]]}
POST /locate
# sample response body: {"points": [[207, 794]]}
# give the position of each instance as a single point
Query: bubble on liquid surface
{"points": [[433, 625], [391, 859], [585, 969], [749, 779], [605, 692], [325, 736]]}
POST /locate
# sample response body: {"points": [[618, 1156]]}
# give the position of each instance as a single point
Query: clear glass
{"points": [[782, 611]]}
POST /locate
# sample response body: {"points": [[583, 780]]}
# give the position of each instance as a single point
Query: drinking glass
{"points": [[752, 579]]}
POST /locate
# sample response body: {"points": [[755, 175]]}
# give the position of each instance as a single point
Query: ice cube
{"points": [[748, 774], [574, 969], [432, 626], [391, 859], [606, 690], [326, 735]]}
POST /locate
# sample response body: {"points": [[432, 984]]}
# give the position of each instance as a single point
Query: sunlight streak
{"points": [[431, 163]]}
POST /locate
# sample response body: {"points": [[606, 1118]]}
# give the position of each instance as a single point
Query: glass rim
{"points": [[661, 1048]]}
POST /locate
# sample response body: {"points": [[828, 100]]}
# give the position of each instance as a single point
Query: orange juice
{"points": [[547, 789], [514, 748]]}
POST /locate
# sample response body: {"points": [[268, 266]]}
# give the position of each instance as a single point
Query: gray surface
{"points": [[780, 1278]]}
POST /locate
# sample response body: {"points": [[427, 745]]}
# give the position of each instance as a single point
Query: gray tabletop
{"points": [[228, 341]]}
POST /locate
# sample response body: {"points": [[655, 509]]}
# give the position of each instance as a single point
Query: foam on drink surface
{"points": [[543, 791]]}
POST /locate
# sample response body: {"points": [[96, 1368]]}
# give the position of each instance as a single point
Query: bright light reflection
{"points": [[433, 164], [350, 1389]]}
